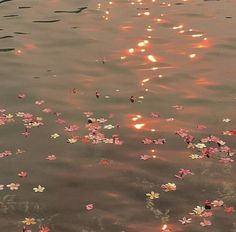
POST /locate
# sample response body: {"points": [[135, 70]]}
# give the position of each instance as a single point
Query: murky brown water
{"points": [[176, 58]]}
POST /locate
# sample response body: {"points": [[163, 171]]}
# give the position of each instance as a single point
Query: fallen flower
{"points": [[105, 162], [229, 209], [206, 223], [145, 157], [152, 195], [72, 140], [29, 221], [21, 95], [217, 203], [26, 230], [47, 110], [231, 132], [195, 156], [109, 127], [206, 214], [13, 186], [178, 107], [168, 187], [89, 206], [226, 160], [185, 220], [201, 127], [226, 120], [44, 229], [39, 102], [60, 121], [54, 136], [71, 128], [183, 172], [198, 210], [39, 189], [200, 145], [155, 115], [51, 157], [23, 174]]}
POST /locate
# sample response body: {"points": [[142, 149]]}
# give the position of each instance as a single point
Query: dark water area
{"points": [[117, 116]]}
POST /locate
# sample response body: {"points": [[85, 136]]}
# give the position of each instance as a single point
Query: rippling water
{"points": [[156, 67]]}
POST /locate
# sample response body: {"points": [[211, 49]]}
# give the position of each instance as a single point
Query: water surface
{"points": [[175, 59]]}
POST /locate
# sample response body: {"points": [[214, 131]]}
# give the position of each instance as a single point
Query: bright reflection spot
{"points": [[178, 27], [145, 80], [153, 130], [131, 50], [141, 44], [139, 126], [147, 13], [192, 56], [152, 58], [155, 68], [164, 227], [123, 57], [197, 35], [136, 118], [19, 52]]}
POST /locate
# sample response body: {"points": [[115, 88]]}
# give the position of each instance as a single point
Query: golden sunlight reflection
{"points": [[131, 50], [197, 35], [135, 118], [191, 56], [164, 227], [178, 27], [145, 80], [152, 58], [139, 126]]}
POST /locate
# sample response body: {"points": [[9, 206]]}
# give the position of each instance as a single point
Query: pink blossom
{"points": [[89, 206], [226, 160], [72, 128]]}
